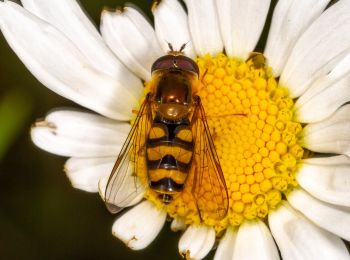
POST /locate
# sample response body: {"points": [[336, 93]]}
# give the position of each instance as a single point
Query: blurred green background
{"points": [[41, 215]]}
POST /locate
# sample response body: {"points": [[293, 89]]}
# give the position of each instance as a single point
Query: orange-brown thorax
{"points": [[173, 94]]}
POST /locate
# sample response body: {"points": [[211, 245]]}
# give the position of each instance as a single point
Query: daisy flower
{"points": [[286, 163]]}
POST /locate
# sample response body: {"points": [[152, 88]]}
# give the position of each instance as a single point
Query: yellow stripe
{"points": [[177, 176], [158, 152]]}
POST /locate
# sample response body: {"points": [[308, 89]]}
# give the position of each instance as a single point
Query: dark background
{"points": [[41, 215]]}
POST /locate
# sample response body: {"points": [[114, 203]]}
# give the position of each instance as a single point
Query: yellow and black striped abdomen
{"points": [[169, 156]]}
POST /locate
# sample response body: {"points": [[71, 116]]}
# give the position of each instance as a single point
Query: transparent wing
{"points": [[209, 187], [124, 187]]}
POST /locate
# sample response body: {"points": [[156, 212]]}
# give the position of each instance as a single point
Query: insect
{"points": [[171, 141]]}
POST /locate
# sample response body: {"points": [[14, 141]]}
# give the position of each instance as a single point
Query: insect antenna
{"points": [[170, 47], [180, 51], [183, 46]]}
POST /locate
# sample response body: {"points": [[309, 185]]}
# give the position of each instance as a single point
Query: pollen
{"points": [[256, 136]]}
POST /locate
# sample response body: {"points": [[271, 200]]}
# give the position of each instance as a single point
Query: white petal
{"points": [[138, 227], [322, 99], [132, 39], [226, 245], [178, 224], [69, 18], [290, 19], [59, 65], [254, 241], [326, 94], [170, 21], [319, 49], [330, 183], [85, 173], [102, 185], [298, 238], [333, 218], [204, 26], [197, 241], [329, 160], [331, 135], [79, 134], [241, 24]]}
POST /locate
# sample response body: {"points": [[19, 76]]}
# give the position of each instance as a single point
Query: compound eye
{"points": [[175, 62], [187, 64], [165, 62]]}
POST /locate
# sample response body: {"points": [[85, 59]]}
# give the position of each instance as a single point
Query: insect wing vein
{"points": [[209, 186], [124, 187]]}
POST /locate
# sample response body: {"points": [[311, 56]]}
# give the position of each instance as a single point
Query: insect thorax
{"points": [[173, 93]]}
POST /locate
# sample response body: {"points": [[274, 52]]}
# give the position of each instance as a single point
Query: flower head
{"points": [[279, 125]]}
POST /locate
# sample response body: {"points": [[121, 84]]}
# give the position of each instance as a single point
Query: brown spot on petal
{"points": [[186, 255], [131, 240]]}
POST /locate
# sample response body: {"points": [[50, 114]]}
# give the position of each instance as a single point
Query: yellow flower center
{"points": [[251, 119]]}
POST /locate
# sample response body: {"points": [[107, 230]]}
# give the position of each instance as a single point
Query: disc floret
{"points": [[251, 119]]}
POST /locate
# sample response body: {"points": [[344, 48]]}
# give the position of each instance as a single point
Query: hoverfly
{"points": [[170, 140]]}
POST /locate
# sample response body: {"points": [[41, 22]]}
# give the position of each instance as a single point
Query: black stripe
{"points": [[166, 184], [188, 146], [171, 126], [168, 162]]}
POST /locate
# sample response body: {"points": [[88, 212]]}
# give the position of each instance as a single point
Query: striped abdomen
{"points": [[169, 157]]}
